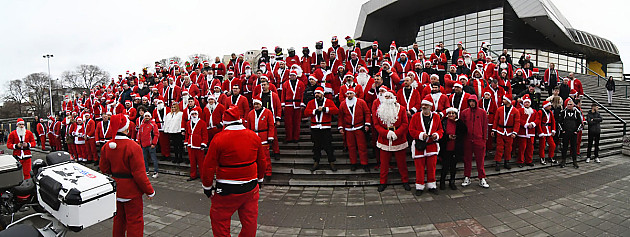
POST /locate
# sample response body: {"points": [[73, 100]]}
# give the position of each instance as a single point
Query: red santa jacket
{"points": [[275, 106], [14, 140], [241, 104], [98, 110], [462, 103], [41, 131], [438, 61], [478, 84], [67, 106], [358, 90], [333, 82], [353, 119], [148, 133], [353, 67], [548, 73], [372, 61], [341, 53], [172, 93], [440, 104], [495, 94], [576, 84], [131, 112], [490, 107], [258, 90], [292, 95], [290, 61], [263, 124], [214, 117], [122, 157], [394, 79], [400, 128], [366, 84], [196, 134], [546, 123], [306, 64], [158, 117], [411, 54], [229, 84], [219, 69], [489, 70], [507, 125], [235, 155], [529, 123], [186, 114], [193, 90], [78, 131], [417, 130], [402, 68], [280, 75], [320, 119], [507, 86], [412, 102], [427, 91], [90, 129]]}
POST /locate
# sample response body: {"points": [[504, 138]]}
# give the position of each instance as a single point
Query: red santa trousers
{"points": [[42, 139], [274, 144], [51, 141], [267, 159], [579, 142], [356, 140], [72, 149], [478, 149], [526, 150], [26, 168], [128, 218], [91, 149], [58, 143], [541, 146], [223, 207], [504, 148], [401, 162], [196, 157], [490, 139], [81, 150], [292, 119], [165, 145], [421, 164]]}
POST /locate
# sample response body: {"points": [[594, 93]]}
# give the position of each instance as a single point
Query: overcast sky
{"points": [[120, 35]]}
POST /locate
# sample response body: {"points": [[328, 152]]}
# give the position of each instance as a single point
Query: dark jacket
{"points": [[460, 133], [309, 93], [594, 120], [610, 85], [565, 90], [535, 97], [456, 54], [570, 120], [519, 84]]}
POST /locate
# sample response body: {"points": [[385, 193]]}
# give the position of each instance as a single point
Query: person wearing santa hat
{"points": [[229, 82], [262, 122], [130, 110], [20, 141], [236, 99], [100, 132], [374, 58], [489, 68], [490, 108], [220, 97], [389, 77], [292, 58], [90, 138], [158, 115], [78, 131], [280, 74], [462, 69], [350, 84], [321, 110], [439, 61], [483, 51], [41, 132], [451, 143], [546, 132], [196, 140], [147, 137], [507, 122], [354, 120], [440, 100], [236, 157], [570, 123], [433, 79], [527, 132], [67, 104], [496, 92], [408, 97], [212, 114], [476, 121], [50, 133], [247, 78], [271, 101], [354, 62], [291, 100], [218, 68], [459, 99], [122, 158], [392, 125], [425, 129]]}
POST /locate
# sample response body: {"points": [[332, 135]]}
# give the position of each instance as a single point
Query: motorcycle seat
{"points": [[21, 230], [27, 187]]}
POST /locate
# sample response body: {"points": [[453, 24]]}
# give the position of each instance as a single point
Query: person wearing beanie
{"points": [[426, 130], [527, 132], [20, 141], [148, 136], [236, 157], [570, 124], [121, 157], [391, 123], [354, 121], [546, 131], [321, 110], [291, 100], [477, 122], [262, 122], [507, 122]]}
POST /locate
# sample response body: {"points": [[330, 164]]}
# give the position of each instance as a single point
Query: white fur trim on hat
{"points": [[487, 93], [319, 91], [458, 85], [426, 102], [147, 113], [124, 127], [451, 109], [254, 101], [506, 98], [527, 99]]}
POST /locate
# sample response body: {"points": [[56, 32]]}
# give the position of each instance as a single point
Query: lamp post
{"points": [[48, 56]]}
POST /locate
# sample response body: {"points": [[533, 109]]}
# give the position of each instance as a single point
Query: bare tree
{"points": [[16, 94], [39, 98], [86, 77]]}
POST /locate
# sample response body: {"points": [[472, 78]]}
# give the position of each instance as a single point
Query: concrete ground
{"points": [[593, 200]]}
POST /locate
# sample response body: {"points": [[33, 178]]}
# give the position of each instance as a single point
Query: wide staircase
{"points": [[295, 159]]}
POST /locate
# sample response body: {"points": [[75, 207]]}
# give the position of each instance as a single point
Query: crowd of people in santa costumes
{"points": [[383, 103]]}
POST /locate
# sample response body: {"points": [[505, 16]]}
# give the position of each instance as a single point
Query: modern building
{"points": [[535, 27]]}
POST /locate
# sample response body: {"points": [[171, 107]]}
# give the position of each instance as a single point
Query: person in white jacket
{"points": [[173, 127]]}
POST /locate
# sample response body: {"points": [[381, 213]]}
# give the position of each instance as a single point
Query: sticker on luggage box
{"points": [[73, 175]]}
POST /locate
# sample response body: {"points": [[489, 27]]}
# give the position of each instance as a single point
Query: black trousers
{"points": [[177, 140], [569, 138], [593, 138], [449, 165], [322, 140]]}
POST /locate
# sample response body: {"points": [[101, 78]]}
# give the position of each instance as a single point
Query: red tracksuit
{"points": [[291, 100], [504, 126], [263, 124], [476, 121], [427, 158], [526, 135], [196, 140], [352, 120], [546, 130]]}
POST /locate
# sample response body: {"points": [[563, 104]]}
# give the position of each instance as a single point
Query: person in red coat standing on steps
{"points": [[507, 122], [291, 100], [262, 122], [354, 121], [425, 127], [197, 141], [320, 110], [20, 141], [527, 132], [122, 158], [236, 157]]}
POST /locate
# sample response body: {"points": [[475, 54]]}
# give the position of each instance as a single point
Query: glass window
{"points": [[498, 10], [484, 13], [438, 28], [471, 21], [460, 35], [437, 23], [448, 21], [543, 65], [483, 25], [496, 29], [497, 17], [496, 35], [449, 37], [460, 24], [471, 38], [448, 26], [448, 32], [484, 31], [484, 19], [460, 18], [471, 28], [471, 16]]}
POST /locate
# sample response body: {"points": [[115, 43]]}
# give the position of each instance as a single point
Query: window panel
{"points": [[498, 10], [543, 64], [497, 17], [484, 31], [448, 21], [460, 24], [484, 13], [438, 28], [471, 21], [437, 23], [460, 35], [460, 18], [495, 29], [471, 16], [496, 35], [483, 25], [448, 32], [484, 19], [449, 26]]}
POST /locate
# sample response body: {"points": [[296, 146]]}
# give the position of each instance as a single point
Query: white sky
{"points": [[120, 35]]}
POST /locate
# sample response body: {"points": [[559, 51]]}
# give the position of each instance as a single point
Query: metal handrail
{"points": [[597, 74], [608, 111]]}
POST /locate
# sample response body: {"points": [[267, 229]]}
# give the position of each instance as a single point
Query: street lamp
{"points": [[48, 56]]}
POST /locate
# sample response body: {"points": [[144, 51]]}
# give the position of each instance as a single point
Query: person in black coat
{"points": [[593, 118], [565, 90], [610, 89], [570, 124], [451, 146]]}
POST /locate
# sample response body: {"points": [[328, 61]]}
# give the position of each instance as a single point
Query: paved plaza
{"points": [[593, 200]]}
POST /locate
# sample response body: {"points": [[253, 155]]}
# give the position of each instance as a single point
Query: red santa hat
{"points": [[353, 53], [428, 100], [263, 48], [194, 111], [348, 38], [526, 98], [459, 42], [427, 62], [393, 45], [293, 72], [319, 89], [528, 56], [256, 99], [417, 62], [483, 44], [363, 69], [230, 72], [452, 109], [79, 119], [462, 76], [487, 93], [108, 113], [127, 101], [383, 88], [459, 85], [438, 47], [351, 90], [349, 74], [20, 121], [231, 115], [196, 57], [386, 63], [117, 123], [185, 92], [507, 97], [573, 92], [566, 101], [210, 97], [502, 71], [311, 77], [150, 115], [460, 60], [403, 53], [546, 103], [535, 71], [375, 43]]}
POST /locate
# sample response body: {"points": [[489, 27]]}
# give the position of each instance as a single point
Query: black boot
{"points": [[419, 192], [406, 187], [353, 167], [315, 166], [332, 166], [497, 166], [451, 184], [366, 168], [381, 187], [275, 156], [506, 164], [442, 184], [433, 191]]}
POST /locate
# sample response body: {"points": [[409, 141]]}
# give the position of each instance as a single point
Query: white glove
{"points": [[391, 135], [526, 125], [532, 125]]}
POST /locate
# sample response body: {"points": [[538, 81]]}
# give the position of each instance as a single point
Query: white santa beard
{"points": [[468, 61], [140, 86], [211, 106], [363, 79], [194, 120], [160, 106], [20, 131], [185, 99], [528, 111], [388, 111]]}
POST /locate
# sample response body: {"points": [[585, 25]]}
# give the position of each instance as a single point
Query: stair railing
{"points": [[608, 111], [600, 77]]}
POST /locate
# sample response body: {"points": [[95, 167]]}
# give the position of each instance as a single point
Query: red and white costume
{"points": [[391, 123], [504, 126], [546, 131], [263, 124], [527, 133], [196, 140], [427, 158], [291, 100], [23, 153], [354, 115]]}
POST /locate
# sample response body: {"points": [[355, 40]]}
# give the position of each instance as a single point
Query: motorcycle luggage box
{"points": [[10, 172], [57, 157], [77, 196]]}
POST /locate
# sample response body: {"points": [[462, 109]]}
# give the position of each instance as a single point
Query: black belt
{"points": [[320, 122], [237, 166], [122, 176], [502, 126], [292, 101], [225, 189], [265, 130], [547, 124], [490, 112]]}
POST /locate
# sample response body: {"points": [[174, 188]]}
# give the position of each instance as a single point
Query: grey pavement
{"points": [[593, 200]]}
